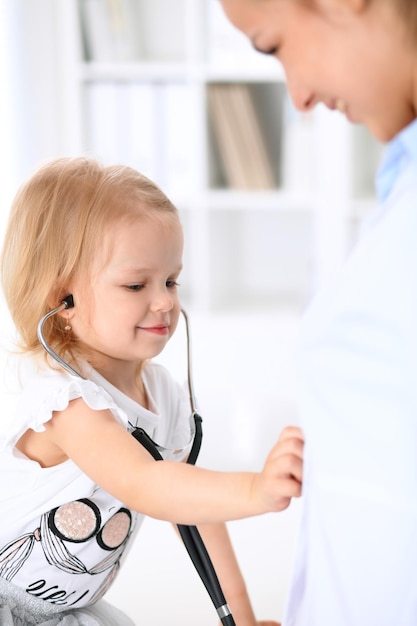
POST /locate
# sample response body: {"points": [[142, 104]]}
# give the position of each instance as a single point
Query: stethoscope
{"points": [[189, 534]]}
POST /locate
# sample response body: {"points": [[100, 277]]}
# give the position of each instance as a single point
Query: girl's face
{"points": [[347, 54], [129, 309]]}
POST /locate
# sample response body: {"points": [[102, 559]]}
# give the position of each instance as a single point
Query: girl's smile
{"points": [[162, 329]]}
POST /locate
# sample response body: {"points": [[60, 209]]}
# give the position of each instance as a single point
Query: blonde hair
{"points": [[57, 219]]}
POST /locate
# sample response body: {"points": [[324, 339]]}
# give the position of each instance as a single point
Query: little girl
{"points": [[76, 484]]}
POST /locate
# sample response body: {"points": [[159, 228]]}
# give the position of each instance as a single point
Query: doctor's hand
{"points": [[281, 477]]}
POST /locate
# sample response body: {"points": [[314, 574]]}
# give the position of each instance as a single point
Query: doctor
{"points": [[357, 549]]}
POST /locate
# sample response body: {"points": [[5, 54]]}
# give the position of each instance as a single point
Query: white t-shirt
{"points": [[63, 538], [357, 551]]}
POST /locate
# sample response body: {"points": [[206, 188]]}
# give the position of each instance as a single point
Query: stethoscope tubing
{"points": [[190, 535]]}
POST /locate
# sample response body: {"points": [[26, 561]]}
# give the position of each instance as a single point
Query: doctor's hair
{"points": [[58, 219], [406, 10]]}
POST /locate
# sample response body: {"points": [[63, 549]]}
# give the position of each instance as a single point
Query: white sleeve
{"points": [[50, 391]]}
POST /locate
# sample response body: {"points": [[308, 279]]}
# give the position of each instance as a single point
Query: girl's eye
{"points": [[172, 283], [136, 287]]}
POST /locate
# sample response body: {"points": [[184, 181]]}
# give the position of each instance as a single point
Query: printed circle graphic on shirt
{"points": [[116, 530], [75, 521]]}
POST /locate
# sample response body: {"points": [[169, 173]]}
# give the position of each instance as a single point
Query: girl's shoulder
{"points": [[46, 390]]}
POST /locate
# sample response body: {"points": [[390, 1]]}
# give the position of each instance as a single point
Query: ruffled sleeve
{"points": [[48, 391]]}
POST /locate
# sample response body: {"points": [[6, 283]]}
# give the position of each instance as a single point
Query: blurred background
{"points": [[271, 201]]}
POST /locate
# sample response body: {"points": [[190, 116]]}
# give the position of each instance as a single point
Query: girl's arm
{"points": [[166, 490], [217, 541]]}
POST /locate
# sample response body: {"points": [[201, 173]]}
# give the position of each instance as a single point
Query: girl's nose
{"points": [[162, 300]]}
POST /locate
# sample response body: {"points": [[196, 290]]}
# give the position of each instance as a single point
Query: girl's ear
{"points": [[56, 297], [66, 314]]}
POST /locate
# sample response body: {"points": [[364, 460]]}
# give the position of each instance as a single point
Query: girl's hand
{"points": [[281, 477]]}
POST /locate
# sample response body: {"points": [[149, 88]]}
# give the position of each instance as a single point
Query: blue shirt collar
{"points": [[399, 151]]}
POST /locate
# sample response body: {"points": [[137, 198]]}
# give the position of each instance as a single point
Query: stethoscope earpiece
{"points": [[68, 301]]}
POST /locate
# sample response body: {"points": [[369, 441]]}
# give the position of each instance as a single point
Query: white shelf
{"points": [[213, 73], [160, 70], [153, 71]]}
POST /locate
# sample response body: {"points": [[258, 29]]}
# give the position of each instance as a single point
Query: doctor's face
{"points": [[347, 54]]}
